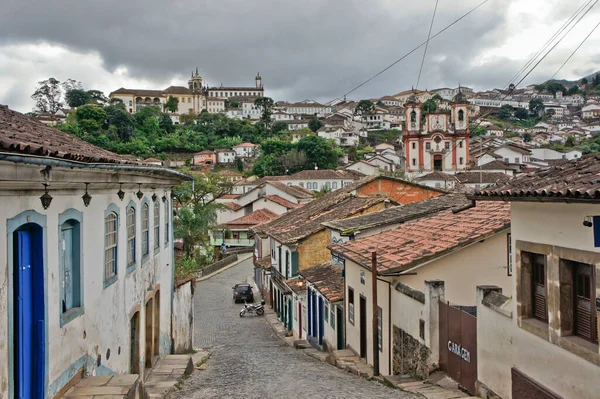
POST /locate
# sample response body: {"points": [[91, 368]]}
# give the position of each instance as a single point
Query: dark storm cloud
{"points": [[304, 49]]}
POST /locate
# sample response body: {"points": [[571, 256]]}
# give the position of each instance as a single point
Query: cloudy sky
{"points": [[309, 49]]}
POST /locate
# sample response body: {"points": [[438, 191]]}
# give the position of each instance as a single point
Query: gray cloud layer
{"points": [[304, 49]]}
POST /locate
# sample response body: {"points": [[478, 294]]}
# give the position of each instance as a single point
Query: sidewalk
{"points": [[438, 386]]}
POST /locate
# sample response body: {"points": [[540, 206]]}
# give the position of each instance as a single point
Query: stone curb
{"points": [[237, 262]]}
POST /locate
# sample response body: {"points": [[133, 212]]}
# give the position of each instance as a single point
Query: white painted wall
{"points": [[183, 318], [480, 263], [106, 320]]}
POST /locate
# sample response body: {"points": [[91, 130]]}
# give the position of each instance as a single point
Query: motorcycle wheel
{"points": [[260, 312], [242, 313]]}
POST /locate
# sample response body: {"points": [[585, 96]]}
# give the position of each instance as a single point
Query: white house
{"points": [[225, 156], [364, 167], [541, 334], [317, 180], [591, 110], [548, 153], [245, 150], [513, 154], [250, 111], [88, 252]]}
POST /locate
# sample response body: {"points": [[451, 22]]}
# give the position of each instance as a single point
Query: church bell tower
{"points": [[195, 82]]}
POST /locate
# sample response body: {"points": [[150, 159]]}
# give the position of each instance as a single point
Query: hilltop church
{"points": [[438, 141], [196, 97]]}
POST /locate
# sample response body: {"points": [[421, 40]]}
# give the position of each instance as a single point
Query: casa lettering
{"points": [[459, 351]]}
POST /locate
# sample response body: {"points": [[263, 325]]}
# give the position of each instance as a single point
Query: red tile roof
{"points": [[232, 205], [427, 238], [25, 135], [327, 279], [257, 217], [282, 201], [246, 145], [264, 262], [296, 191], [572, 181]]}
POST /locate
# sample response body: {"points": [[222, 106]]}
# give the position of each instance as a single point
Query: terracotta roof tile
{"points": [[328, 279], [574, 180], [264, 262], [257, 217], [232, 205], [402, 213], [481, 177], [296, 191], [427, 238], [282, 201], [24, 135]]}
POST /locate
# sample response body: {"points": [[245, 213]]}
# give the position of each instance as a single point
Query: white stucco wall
{"points": [[353, 330], [105, 323], [264, 203], [482, 263], [502, 345], [183, 318]]}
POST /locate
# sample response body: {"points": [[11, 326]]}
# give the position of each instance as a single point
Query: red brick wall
{"points": [[399, 191]]}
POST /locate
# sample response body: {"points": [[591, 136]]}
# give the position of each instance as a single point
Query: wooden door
{"points": [[363, 326], [584, 301]]}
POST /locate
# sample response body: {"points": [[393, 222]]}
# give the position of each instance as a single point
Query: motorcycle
{"points": [[259, 309]]}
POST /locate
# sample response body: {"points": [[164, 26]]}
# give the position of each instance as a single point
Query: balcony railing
{"points": [[233, 242]]}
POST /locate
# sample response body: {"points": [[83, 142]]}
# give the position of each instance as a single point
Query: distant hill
{"points": [[568, 83]]}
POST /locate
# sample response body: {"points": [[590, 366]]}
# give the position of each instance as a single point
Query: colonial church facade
{"points": [[436, 141], [196, 97]]}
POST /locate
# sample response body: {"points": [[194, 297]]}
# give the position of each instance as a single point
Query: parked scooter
{"points": [[259, 309]]}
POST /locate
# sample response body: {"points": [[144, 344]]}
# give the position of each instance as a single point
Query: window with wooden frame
{"points": [[156, 224], [110, 246], [584, 302], [326, 313], [130, 236], [145, 229], [539, 289], [351, 305]]}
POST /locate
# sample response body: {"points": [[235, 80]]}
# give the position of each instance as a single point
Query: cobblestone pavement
{"points": [[249, 361]]}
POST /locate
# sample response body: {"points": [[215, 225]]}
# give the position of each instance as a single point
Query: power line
{"points": [[427, 43], [574, 51], [415, 49]]}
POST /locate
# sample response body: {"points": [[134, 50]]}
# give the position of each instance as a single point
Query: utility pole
{"points": [[375, 314]]}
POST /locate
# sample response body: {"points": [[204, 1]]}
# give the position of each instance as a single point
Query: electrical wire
{"points": [[427, 43], [413, 50]]}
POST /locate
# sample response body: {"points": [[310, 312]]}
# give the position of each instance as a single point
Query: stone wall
{"points": [[183, 316], [410, 356], [206, 270]]}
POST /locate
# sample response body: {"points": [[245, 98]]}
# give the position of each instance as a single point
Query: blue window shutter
{"points": [[596, 231], [295, 263]]}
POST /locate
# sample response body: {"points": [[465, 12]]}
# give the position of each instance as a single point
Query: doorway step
{"points": [[166, 374], [109, 387]]}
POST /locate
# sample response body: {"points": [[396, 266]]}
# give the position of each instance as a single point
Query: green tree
{"points": [[596, 80], [319, 152], [536, 106], [437, 97], [555, 87], [48, 96], [572, 90], [477, 131], [527, 137], [172, 104], [521, 113], [90, 117], [315, 124], [279, 128], [97, 97], [584, 81], [166, 123], [265, 105], [570, 141], [122, 121], [363, 108], [429, 106], [506, 112], [76, 98]]}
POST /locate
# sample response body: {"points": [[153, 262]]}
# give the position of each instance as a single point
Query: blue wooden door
{"points": [[24, 317], [321, 320], [315, 325], [309, 312]]}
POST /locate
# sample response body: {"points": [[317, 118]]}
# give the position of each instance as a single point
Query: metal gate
{"points": [[458, 345]]}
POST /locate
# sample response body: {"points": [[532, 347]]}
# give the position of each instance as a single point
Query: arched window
{"points": [[461, 115], [130, 236], [156, 224], [145, 229], [413, 116], [110, 246]]}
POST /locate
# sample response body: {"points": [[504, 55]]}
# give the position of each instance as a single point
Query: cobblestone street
{"points": [[249, 361]]}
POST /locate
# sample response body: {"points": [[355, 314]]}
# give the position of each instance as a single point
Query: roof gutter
{"points": [[45, 161]]}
